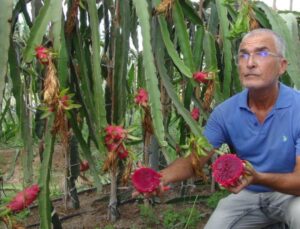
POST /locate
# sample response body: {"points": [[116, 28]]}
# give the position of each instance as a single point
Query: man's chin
{"points": [[251, 85]]}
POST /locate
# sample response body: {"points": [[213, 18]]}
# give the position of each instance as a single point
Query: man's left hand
{"points": [[248, 178]]}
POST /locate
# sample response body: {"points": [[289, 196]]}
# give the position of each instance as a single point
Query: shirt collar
{"points": [[284, 98]]}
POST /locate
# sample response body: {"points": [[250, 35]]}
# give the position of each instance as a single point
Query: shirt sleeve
{"points": [[298, 146], [215, 129]]}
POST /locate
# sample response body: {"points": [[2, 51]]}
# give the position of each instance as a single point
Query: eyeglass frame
{"points": [[257, 53]]}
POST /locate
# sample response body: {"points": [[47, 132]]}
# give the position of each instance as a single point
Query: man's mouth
{"points": [[250, 74]]}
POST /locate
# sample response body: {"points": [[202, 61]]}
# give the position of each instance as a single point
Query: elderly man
{"points": [[262, 125]]}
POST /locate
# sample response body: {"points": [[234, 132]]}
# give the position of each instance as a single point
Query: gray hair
{"points": [[279, 42]]}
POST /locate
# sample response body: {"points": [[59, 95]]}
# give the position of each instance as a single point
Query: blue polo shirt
{"points": [[271, 146]]}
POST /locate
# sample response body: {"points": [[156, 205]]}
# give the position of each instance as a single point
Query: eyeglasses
{"points": [[258, 56]]}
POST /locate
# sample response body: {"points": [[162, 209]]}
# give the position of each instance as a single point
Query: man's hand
{"points": [[157, 192], [248, 178]]}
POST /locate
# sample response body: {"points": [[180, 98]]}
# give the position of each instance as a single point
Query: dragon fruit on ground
{"points": [[227, 169], [145, 180]]}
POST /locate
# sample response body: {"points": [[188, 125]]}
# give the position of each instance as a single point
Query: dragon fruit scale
{"points": [[227, 169], [145, 180]]}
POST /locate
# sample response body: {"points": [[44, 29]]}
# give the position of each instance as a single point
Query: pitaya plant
{"points": [[145, 180], [227, 169]]}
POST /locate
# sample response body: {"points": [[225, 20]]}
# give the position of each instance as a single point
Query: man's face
{"points": [[259, 62]]}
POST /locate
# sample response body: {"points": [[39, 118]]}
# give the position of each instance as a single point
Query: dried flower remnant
{"points": [[163, 8], [51, 85]]}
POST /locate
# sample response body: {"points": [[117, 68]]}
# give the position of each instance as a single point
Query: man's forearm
{"points": [[182, 169], [288, 183]]}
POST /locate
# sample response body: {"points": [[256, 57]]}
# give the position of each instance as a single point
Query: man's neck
{"points": [[261, 102], [263, 99]]}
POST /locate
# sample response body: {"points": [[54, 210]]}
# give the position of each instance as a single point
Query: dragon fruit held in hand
{"points": [[145, 180], [227, 169]]}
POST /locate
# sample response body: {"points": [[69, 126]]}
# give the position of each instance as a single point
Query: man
{"points": [[262, 125]]}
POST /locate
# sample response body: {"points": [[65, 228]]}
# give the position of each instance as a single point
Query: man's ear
{"points": [[283, 66]]}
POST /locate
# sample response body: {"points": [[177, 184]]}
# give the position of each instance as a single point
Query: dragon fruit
{"points": [[227, 169], [201, 77], [42, 54], [195, 113], [24, 198], [145, 180], [142, 97], [84, 166]]}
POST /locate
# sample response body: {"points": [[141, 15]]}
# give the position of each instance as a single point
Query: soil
{"points": [[92, 213]]}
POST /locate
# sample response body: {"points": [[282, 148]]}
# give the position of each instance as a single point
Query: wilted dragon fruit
{"points": [[145, 180], [227, 169]]}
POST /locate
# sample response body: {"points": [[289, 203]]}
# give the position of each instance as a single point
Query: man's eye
{"points": [[244, 55], [263, 53]]}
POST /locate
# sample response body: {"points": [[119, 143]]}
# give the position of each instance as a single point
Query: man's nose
{"points": [[251, 62]]}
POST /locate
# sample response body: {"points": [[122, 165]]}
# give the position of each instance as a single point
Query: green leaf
{"points": [[227, 54], [39, 27], [72, 106], [150, 71], [190, 12], [198, 47], [5, 27], [62, 61], [241, 24], [121, 50], [183, 37], [210, 53], [166, 80], [44, 177], [171, 49], [86, 151], [46, 114], [99, 101]]}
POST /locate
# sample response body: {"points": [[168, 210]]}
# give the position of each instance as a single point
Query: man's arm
{"points": [[283, 182], [182, 169]]}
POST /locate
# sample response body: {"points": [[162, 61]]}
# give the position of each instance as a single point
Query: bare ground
{"points": [[93, 206]]}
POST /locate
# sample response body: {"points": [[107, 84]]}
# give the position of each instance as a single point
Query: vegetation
{"points": [[71, 71]]}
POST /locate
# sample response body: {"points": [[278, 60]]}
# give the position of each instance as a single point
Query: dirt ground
{"points": [[92, 213]]}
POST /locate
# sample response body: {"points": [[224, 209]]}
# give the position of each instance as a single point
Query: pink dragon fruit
{"points": [[145, 180], [195, 113], [227, 169], [42, 54], [24, 198], [201, 77]]}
